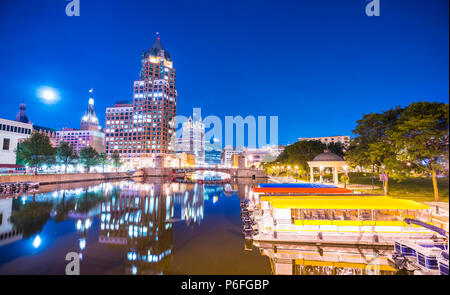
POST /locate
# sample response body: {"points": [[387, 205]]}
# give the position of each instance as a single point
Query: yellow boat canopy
{"points": [[342, 202]]}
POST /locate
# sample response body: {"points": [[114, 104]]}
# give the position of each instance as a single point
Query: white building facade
{"points": [[11, 132]]}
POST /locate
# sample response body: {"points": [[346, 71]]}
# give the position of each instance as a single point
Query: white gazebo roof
{"points": [[327, 159]]}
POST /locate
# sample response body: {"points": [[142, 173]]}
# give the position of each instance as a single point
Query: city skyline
{"points": [[248, 62]]}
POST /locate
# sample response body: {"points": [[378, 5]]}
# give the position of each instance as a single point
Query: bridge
{"points": [[194, 169], [236, 172]]}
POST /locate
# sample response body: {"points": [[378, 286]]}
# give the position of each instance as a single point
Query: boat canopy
{"points": [[302, 184], [342, 202], [302, 190]]}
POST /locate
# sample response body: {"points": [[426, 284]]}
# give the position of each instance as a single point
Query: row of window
{"points": [[16, 129]]}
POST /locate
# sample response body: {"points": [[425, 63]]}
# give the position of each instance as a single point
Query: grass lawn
{"points": [[413, 188]]}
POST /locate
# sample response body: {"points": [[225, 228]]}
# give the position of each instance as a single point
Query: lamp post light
{"points": [[321, 174], [383, 177], [346, 176]]}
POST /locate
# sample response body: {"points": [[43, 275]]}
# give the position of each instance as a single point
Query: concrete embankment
{"points": [[63, 178]]}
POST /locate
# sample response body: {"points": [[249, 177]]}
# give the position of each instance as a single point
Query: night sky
{"points": [[318, 65]]}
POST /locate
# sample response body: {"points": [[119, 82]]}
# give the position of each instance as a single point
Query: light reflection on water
{"points": [[150, 227]]}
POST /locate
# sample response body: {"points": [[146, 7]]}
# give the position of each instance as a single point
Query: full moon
{"points": [[48, 94]]}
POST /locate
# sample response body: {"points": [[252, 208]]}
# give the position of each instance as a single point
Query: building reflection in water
{"points": [[7, 233], [135, 219], [140, 217], [192, 206]]}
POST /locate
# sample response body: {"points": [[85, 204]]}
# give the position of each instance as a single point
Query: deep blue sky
{"points": [[318, 65]]}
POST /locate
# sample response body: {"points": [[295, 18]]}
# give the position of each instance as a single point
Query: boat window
{"points": [[388, 215], [316, 214], [416, 214], [365, 214]]}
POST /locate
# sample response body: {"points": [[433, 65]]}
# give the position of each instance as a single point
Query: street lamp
{"points": [[296, 173], [346, 176], [383, 177], [321, 174]]}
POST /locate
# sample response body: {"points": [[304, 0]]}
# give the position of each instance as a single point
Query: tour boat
{"points": [[443, 263], [340, 218], [299, 188], [422, 256], [429, 257]]}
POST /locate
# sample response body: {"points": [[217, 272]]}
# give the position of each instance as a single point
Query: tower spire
{"points": [[89, 121]]}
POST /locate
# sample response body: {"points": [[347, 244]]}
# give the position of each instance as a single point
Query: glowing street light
{"points": [[37, 241]]}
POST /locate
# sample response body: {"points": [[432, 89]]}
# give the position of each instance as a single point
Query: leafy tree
{"points": [[36, 151], [65, 154], [103, 160], [299, 153], [373, 146], [422, 137], [88, 158], [336, 148], [115, 157]]}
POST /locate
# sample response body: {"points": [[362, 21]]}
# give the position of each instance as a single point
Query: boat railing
{"points": [[436, 229]]}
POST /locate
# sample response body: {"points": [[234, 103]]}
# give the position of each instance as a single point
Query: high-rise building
{"points": [[118, 129], [193, 139], [89, 135], [151, 130], [89, 120]]}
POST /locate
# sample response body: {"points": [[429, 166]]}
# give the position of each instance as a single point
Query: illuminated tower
{"points": [[89, 120], [154, 105]]}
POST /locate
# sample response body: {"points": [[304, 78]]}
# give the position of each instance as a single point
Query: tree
{"points": [[300, 153], [422, 137], [373, 146], [115, 157], [65, 154], [336, 148], [88, 158], [36, 151], [103, 160]]}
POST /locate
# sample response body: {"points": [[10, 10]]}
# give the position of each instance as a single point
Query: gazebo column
{"points": [[335, 175], [321, 176], [311, 173]]}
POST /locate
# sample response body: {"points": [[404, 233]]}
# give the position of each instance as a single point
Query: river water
{"points": [[151, 226]]}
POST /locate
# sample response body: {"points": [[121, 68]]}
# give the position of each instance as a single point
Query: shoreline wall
{"points": [[63, 178]]}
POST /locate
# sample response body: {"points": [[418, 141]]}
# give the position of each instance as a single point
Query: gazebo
{"points": [[327, 160]]}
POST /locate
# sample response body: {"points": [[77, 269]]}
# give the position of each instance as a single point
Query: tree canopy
{"points": [[65, 154], [36, 151], [400, 140], [88, 158]]}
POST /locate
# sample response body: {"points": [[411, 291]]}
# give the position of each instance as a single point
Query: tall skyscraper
{"points": [[88, 135], [154, 105], [90, 120], [193, 139]]}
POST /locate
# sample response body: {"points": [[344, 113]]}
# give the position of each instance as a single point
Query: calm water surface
{"points": [[146, 227]]}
